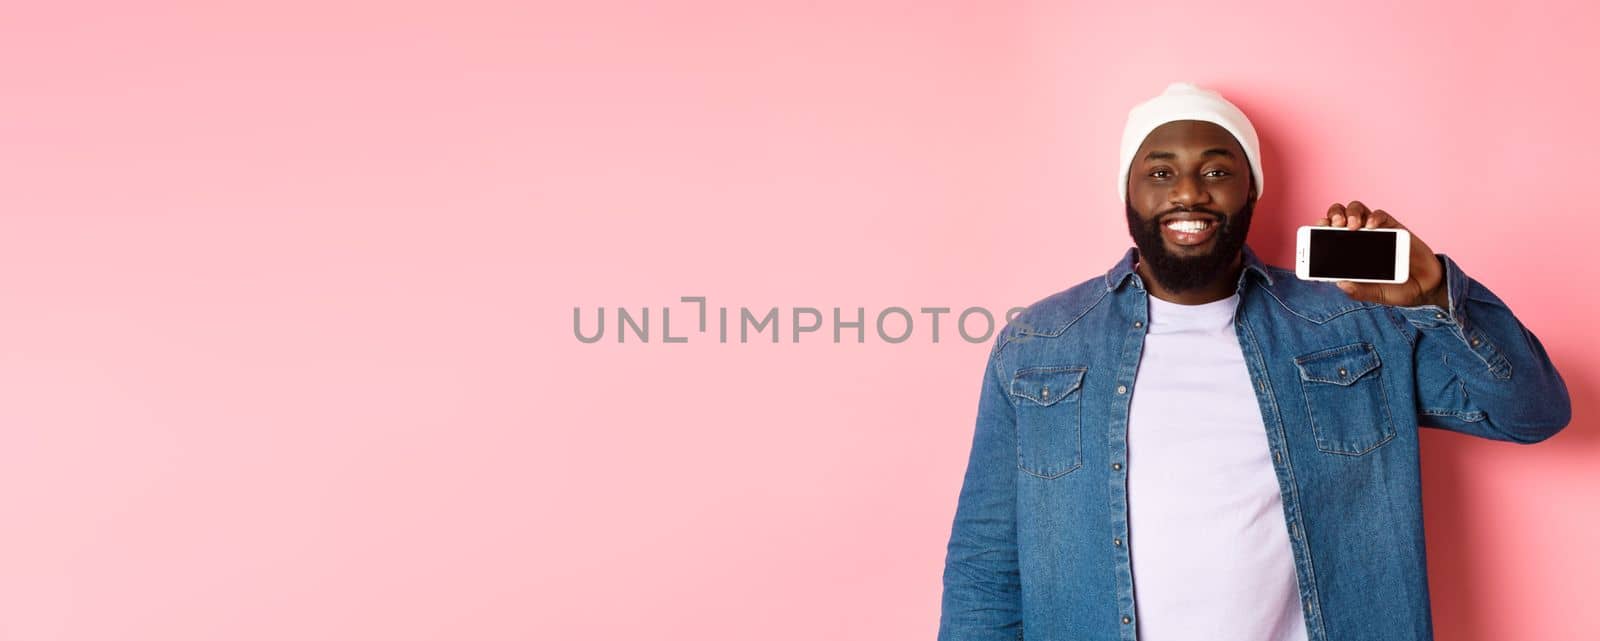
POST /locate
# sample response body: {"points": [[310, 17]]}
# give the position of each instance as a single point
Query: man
{"points": [[1198, 445]]}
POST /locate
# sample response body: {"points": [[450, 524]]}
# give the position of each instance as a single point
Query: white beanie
{"points": [[1185, 101]]}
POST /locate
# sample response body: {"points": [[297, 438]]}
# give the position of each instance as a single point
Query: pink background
{"points": [[288, 295]]}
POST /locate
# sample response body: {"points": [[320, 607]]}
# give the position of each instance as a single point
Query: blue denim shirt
{"points": [[1037, 549]]}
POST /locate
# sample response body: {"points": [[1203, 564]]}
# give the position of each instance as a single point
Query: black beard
{"points": [[1186, 273]]}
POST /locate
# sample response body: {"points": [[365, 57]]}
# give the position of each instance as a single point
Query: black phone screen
{"points": [[1342, 253]]}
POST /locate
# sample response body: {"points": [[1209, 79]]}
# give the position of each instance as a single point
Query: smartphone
{"points": [[1361, 255]]}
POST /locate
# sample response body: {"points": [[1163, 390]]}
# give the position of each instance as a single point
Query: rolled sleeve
{"points": [[1455, 321], [1464, 359]]}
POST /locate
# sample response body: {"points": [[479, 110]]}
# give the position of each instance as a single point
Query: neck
{"points": [[1223, 286]]}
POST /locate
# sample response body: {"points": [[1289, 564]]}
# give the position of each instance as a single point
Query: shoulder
{"points": [[1053, 315]]}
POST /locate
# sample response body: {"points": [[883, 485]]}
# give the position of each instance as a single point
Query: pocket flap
{"points": [[1046, 385], [1340, 365]]}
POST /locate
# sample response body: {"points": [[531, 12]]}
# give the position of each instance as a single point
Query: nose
{"points": [[1187, 192]]}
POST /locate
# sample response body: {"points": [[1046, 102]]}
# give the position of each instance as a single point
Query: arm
{"points": [[982, 589], [1479, 371]]}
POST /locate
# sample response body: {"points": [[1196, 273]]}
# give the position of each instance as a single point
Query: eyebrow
{"points": [[1167, 155]]}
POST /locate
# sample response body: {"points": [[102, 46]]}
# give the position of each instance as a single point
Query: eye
{"points": [[1222, 173]]}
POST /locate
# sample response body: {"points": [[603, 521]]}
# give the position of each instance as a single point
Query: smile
{"points": [[1189, 232]]}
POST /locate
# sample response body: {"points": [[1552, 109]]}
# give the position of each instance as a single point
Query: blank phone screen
{"points": [[1341, 253]]}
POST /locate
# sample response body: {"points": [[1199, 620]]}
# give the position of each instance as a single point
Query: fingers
{"points": [[1349, 217], [1378, 218], [1388, 221], [1355, 216]]}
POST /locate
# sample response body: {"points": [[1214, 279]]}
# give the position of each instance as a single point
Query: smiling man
{"points": [[1199, 445], [1189, 243]]}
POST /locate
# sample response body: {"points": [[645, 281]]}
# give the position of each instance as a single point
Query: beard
{"points": [[1186, 273]]}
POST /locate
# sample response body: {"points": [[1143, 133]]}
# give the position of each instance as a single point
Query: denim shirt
{"points": [[1038, 545]]}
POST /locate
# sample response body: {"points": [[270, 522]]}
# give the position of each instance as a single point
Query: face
{"points": [[1193, 175]]}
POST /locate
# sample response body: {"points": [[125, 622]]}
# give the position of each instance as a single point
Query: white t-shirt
{"points": [[1208, 541]]}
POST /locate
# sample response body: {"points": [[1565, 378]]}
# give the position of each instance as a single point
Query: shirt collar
{"points": [[1124, 269]]}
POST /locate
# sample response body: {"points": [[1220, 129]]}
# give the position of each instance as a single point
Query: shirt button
{"points": [[1045, 392], [1341, 371], [1277, 456], [1116, 542], [1474, 341], [1127, 620], [1138, 323], [1122, 389], [1116, 466], [1438, 314]]}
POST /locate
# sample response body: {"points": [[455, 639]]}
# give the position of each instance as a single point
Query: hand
{"points": [[1426, 285]]}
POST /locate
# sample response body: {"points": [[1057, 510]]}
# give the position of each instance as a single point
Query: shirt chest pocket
{"points": [[1049, 419], [1345, 399]]}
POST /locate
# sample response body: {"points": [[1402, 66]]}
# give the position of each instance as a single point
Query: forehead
{"points": [[1188, 138]]}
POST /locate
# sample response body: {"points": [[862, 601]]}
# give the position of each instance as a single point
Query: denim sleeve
{"points": [[982, 586], [1479, 371]]}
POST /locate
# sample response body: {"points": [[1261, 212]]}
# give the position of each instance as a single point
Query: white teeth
{"points": [[1188, 226]]}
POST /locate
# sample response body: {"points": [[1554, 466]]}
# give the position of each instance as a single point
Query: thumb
{"points": [[1365, 292], [1349, 288]]}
